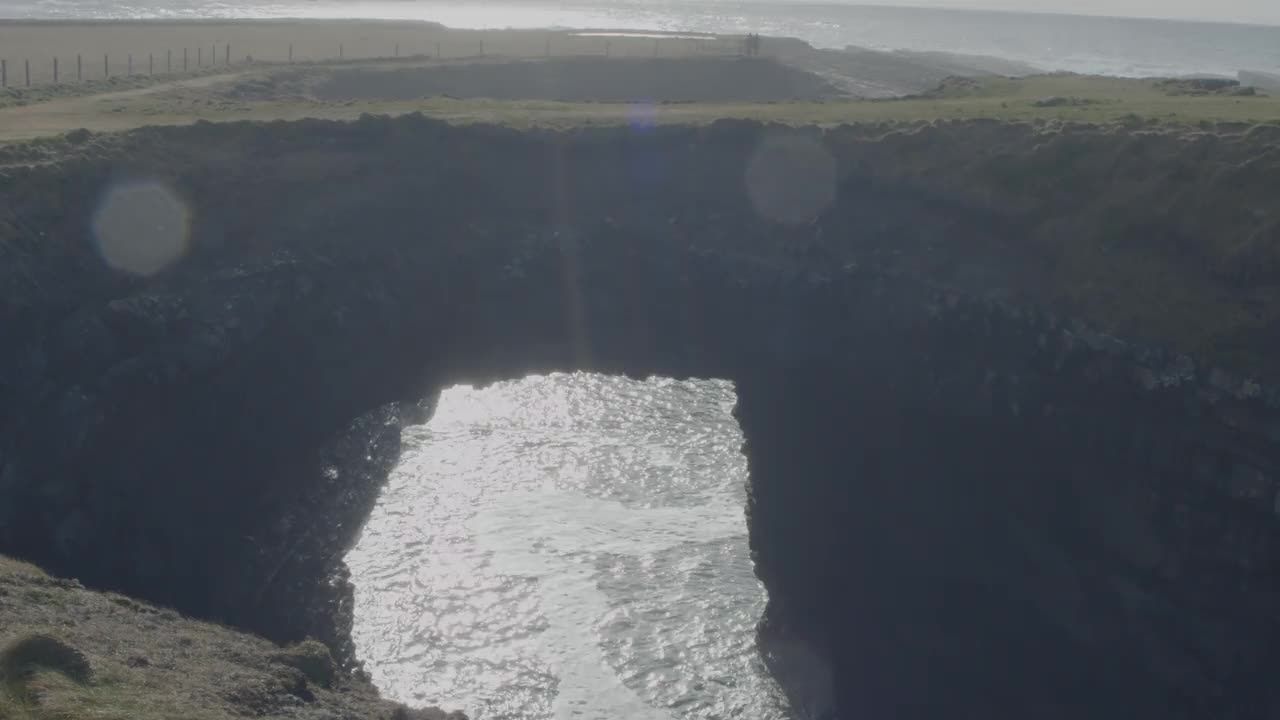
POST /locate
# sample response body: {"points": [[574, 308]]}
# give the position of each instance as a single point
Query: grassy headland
{"points": [[1068, 98]]}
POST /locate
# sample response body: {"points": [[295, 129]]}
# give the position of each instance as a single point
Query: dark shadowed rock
{"points": [[1062, 101], [1199, 86], [313, 659]]}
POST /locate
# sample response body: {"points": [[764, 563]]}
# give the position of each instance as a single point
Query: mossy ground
{"points": [[145, 663]]}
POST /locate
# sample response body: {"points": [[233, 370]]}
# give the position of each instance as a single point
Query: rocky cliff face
{"points": [[961, 502], [1046, 522]]}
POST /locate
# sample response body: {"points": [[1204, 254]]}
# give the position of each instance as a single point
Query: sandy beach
{"points": [[159, 46]]}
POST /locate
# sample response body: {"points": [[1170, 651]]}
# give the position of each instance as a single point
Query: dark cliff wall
{"points": [[966, 506], [1013, 517]]}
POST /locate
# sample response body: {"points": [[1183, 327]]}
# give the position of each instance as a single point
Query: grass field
{"points": [[1099, 100], [1078, 98]]}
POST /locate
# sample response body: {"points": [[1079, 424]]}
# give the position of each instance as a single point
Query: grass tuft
{"points": [[22, 659]]}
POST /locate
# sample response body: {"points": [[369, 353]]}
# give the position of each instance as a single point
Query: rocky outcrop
{"points": [[959, 501]]}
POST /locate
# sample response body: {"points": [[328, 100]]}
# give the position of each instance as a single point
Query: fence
{"points": [[88, 67]]}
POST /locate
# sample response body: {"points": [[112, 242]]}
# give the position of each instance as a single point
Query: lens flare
{"points": [[141, 227], [791, 179], [642, 115]]}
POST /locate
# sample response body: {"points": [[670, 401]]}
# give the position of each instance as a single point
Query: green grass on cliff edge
{"points": [[68, 653], [1065, 97], [1069, 98], [1079, 98]]}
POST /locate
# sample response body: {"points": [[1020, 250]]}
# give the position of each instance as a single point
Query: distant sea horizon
{"points": [[1131, 47]]}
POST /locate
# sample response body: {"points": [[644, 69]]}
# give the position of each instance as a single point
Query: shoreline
{"points": [[99, 50], [318, 37], [1045, 15]]}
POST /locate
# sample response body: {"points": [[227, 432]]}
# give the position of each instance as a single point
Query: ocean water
{"points": [[568, 546], [1115, 46]]}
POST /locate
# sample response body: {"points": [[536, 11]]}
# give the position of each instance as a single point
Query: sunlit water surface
{"points": [[569, 546]]}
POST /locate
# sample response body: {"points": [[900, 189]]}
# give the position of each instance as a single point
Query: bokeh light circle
{"points": [[642, 116], [791, 179], [141, 227]]}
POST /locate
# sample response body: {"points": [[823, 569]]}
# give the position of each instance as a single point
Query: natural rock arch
{"points": [[964, 504]]}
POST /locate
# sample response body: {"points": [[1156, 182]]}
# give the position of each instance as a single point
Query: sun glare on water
{"points": [[568, 546]]}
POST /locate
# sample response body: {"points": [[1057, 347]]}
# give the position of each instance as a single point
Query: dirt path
{"points": [[94, 112]]}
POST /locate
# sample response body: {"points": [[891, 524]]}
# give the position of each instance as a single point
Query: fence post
{"points": [[184, 59], [290, 52], [129, 67], [106, 71], [228, 55], [213, 54], [79, 68], [438, 56], [27, 65], [168, 61], [341, 52], [481, 48], [151, 64], [199, 57], [55, 70]]}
